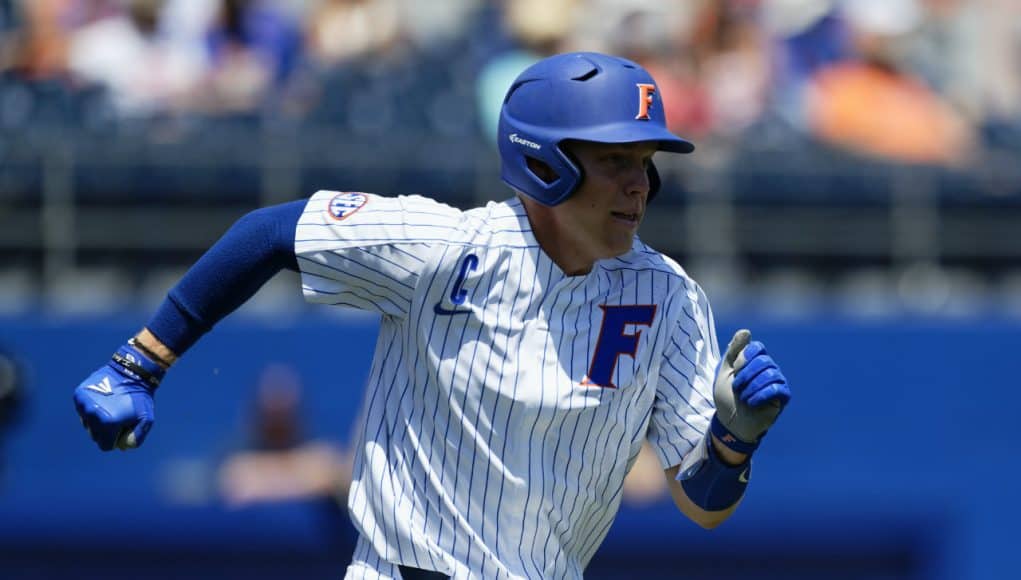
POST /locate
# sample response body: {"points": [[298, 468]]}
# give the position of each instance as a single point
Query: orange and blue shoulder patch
{"points": [[344, 204]]}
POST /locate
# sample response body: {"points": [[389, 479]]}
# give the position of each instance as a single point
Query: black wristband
{"points": [[133, 341], [135, 363]]}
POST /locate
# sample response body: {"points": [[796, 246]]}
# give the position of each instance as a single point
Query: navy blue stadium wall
{"points": [[897, 459]]}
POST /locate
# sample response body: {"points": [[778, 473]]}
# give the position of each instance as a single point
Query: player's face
{"points": [[602, 217]]}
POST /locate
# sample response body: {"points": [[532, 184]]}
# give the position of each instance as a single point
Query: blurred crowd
{"points": [[278, 460], [918, 81]]}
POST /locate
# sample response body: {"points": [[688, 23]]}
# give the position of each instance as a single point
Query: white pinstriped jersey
{"points": [[506, 400]]}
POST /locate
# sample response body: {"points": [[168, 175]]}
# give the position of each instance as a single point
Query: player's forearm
{"points": [[728, 455], [704, 518], [255, 248], [710, 482]]}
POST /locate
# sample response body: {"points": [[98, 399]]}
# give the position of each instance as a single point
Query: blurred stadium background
{"points": [[855, 199]]}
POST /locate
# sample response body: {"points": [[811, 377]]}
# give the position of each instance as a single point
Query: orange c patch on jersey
{"points": [[344, 204]]}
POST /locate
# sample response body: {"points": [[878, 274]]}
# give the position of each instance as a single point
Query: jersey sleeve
{"points": [[684, 391], [368, 251]]}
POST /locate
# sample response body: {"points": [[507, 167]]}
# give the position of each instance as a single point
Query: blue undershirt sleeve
{"points": [[253, 250]]}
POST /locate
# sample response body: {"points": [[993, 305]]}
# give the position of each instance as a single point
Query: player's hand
{"points": [[750, 391], [115, 403]]}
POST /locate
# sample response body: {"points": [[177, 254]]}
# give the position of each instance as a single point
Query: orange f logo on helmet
{"points": [[645, 92]]}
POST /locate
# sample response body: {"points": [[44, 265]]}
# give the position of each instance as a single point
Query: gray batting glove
{"points": [[749, 392]]}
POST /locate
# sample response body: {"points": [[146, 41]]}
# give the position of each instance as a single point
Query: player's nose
{"points": [[637, 181]]}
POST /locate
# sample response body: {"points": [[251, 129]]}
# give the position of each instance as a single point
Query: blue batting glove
{"points": [[115, 403], [749, 392], [760, 381]]}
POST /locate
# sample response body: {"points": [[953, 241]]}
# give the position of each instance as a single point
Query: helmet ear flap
{"points": [[579, 169], [655, 183], [540, 170], [654, 180]]}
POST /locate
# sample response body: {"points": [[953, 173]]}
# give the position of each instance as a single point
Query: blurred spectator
{"points": [[127, 52], [945, 48], [970, 51], [344, 30], [662, 37], [873, 105], [253, 49], [427, 24], [12, 398], [39, 48], [734, 65], [535, 29], [1001, 58], [805, 36], [278, 461], [708, 57], [7, 20]]}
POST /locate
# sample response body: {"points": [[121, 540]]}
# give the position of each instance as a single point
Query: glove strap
{"points": [[730, 440], [135, 364]]}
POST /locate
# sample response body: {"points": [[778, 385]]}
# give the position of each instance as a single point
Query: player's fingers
{"points": [[737, 344], [776, 392], [102, 439], [122, 439], [135, 437], [762, 381], [751, 370], [750, 351], [126, 441], [98, 424], [104, 436]]}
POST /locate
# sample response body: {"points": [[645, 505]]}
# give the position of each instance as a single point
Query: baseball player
{"points": [[527, 348]]}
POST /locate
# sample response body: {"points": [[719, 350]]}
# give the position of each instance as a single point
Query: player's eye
{"points": [[617, 161]]}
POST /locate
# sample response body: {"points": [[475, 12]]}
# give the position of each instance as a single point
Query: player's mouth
{"points": [[627, 218]]}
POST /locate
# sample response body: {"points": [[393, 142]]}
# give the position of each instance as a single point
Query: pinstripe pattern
{"points": [[482, 454]]}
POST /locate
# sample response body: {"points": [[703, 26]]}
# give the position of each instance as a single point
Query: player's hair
{"points": [[584, 96]]}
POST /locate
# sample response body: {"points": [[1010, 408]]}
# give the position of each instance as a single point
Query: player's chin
{"points": [[618, 245]]}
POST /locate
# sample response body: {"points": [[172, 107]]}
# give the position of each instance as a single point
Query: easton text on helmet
{"points": [[530, 144]]}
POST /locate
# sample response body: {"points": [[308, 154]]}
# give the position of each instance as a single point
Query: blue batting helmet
{"points": [[584, 96]]}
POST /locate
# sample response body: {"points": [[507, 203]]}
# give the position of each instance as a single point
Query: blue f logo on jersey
{"points": [[613, 341]]}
